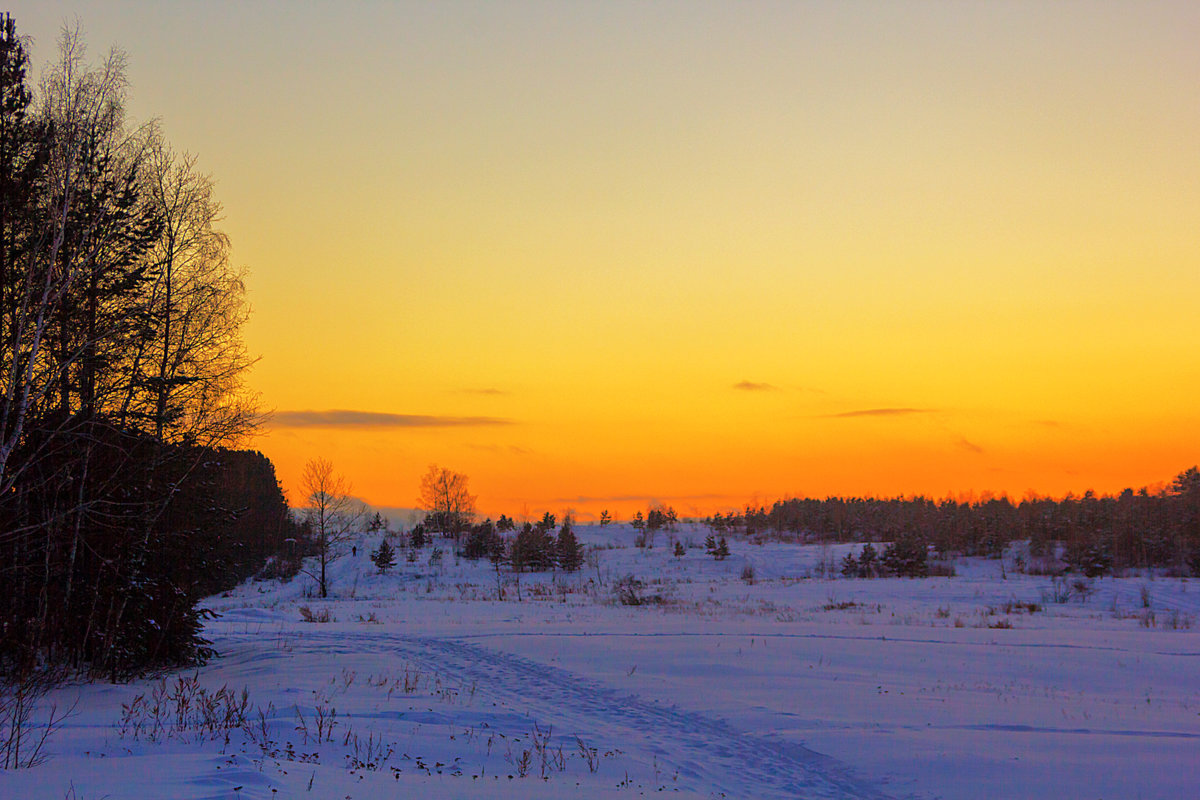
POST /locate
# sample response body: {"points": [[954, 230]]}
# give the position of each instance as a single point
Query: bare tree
{"points": [[332, 514], [444, 496], [190, 373]]}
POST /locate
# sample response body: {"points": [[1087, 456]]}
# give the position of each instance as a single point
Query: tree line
{"points": [[1093, 533], [121, 381]]}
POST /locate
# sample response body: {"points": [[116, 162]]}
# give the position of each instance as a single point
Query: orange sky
{"points": [[595, 255]]}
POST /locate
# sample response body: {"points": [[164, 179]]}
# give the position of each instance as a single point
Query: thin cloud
{"points": [[486, 392], [343, 418], [639, 498], [880, 412], [751, 386], [511, 449], [970, 447]]}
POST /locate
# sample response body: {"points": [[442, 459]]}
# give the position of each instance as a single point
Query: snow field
{"points": [[423, 683]]}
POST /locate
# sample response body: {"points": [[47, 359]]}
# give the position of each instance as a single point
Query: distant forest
{"points": [[1093, 534], [121, 367]]}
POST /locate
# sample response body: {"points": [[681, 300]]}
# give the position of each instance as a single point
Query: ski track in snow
{"points": [[706, 752]]}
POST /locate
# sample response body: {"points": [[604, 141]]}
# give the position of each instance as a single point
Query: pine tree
{"points": [[567, 550], [384, 556], [719, 549], [417, 538], [722, 551], [867, 561], [680, 550], [906, 558]]}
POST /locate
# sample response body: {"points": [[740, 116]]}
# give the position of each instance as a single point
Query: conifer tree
{"points": [[384, 556], [567, 549], [722, 551]]}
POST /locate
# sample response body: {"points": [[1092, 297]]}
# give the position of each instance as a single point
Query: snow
{"points": [[794, 685]]}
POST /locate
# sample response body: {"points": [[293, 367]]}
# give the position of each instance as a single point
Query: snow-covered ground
{"points": [[424, 683]]}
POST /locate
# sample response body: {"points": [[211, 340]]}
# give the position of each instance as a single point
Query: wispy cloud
{"points": [[639, 498], [880, 412], [486, 392], [343, 418], [751, 386], [512, 449], [970, 447]]}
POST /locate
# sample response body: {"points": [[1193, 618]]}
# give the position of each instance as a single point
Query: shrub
{"points": [[308, 615], [22, 740], [628, 591], [1092, 559], [280, 567], [941, 568]]}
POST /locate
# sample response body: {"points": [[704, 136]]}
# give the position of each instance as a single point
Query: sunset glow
{"points": [[599, 255]]}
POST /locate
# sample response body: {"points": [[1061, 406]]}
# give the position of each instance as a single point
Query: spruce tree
{"points": [[722, 550], [384, 556], [567, 550]]}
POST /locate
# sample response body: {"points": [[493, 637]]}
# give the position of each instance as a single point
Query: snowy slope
{"points": [[423, 683]]}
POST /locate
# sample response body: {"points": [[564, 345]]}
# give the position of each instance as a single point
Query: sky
{"points": [[599, 255]]}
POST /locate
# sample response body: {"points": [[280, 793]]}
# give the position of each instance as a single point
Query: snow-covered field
{"points": [[424, 684]]}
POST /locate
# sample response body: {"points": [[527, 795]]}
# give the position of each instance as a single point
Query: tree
{"points": [[605, 518], [907, 557], [680, 550], [567, 549], [481, 540], [384, 556], [331, 512], [120, 376], [532, 549], [195, 300], [718, 549], [417, 538], [449, 506], [867, 561]]}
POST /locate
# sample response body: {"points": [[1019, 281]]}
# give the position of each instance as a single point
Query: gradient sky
{"points": [[598, 254]]}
